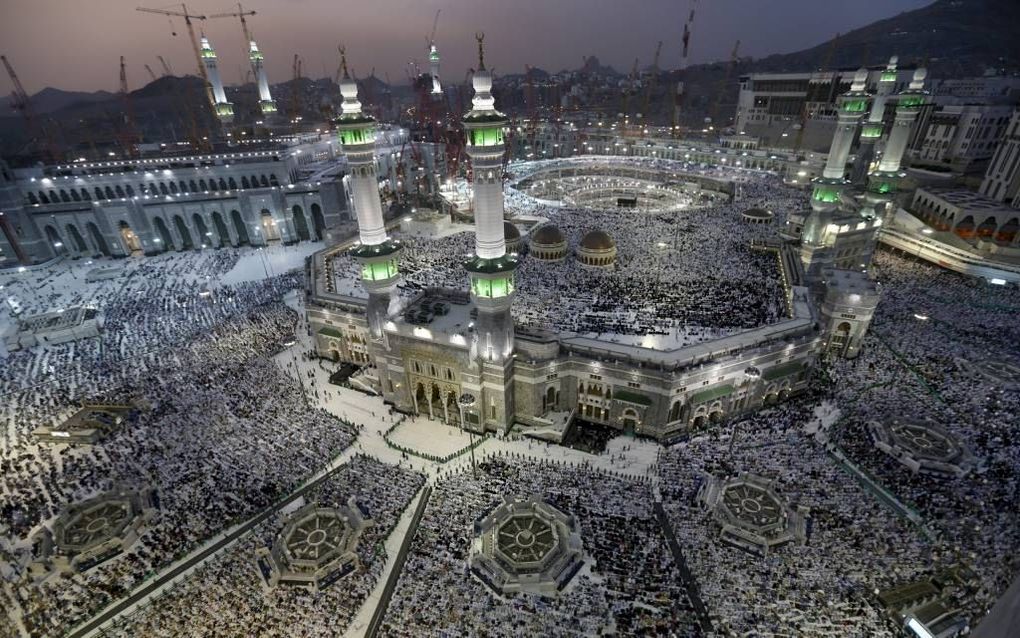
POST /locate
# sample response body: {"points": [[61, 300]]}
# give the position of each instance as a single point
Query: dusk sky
{"points": [[76, 44]]}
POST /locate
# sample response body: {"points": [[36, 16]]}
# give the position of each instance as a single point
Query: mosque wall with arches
{"points": [[549, 377], [655, 401], [90, 210]]}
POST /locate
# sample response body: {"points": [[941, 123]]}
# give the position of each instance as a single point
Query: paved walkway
{"points": [[690, 583], [624, 455], [383, 602]]}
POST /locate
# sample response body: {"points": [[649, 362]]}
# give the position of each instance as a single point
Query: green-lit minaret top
{"points": [[354, 127]]}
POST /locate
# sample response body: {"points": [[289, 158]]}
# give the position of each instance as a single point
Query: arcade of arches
{"points": [[179, 231]]}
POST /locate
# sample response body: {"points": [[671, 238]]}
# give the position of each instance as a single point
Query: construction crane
{"points": [[432, 35], [721, 88], [295, 94], [151, 73], [678, 93], [188, 17], [652, 79], [240, 13], [628, 89], [128, 133], [530, 107], [21, 103], [167, 69]]}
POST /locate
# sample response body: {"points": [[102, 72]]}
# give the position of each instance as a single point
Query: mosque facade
{"points": [[171, 201], [457, 356]]}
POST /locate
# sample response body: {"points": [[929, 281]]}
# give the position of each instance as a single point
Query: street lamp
{"points": [[467, 400]]}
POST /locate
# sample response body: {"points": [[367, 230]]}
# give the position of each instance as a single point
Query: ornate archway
{"points": [[221, 228], [300, 224], [164, 234], [318, 221], [98, 239], [77, 241], [204, 236], [53, 237], [270, 229], [182, 229], [239, 228]]}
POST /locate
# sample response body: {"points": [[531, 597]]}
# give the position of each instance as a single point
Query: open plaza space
{"points": [[516, 357]]}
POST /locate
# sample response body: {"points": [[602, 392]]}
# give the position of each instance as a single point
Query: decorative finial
{"points": [[917, 82], [343, 59], [480, 36]]}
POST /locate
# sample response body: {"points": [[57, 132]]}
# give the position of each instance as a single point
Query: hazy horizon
{"points": [[60, 44]]}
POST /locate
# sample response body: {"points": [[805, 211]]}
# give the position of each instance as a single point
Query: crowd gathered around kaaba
{"points": [[221, 430]]}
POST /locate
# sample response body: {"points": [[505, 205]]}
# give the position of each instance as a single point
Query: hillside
{"points": [[954, 37], [51, 99]]}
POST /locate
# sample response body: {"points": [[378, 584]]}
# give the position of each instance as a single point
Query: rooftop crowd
{"points": [[688, 274]]}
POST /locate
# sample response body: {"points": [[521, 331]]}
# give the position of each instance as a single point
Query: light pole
{"points": [[467, 400]]}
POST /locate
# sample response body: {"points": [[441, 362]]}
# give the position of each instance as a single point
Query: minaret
{"points": [[266, 103], [224, 109], [872, 129], [377, 253], [491, 269], [882, 183], [437, 88], [828, 188]]}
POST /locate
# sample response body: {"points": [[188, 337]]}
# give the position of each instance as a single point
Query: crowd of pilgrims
{"points": [[630, 587], [931, 370], [921, 362], [221, 430], [229, 597], [688, 274], [824, 586]]}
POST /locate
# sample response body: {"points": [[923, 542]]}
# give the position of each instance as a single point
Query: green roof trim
{"points": [[826, 193], [354, 119], [855, 106], [388, 247], [711, 394], [782, 370], [331, 332], [484, 117], [631, 397], [506, 263], [871, 130], [911, 100]]}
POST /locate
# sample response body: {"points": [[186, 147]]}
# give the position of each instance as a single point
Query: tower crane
{"points": [[21, 103], [240, 13], [295, 94], [678, 94], [151, 73], [167, 69], [652, 79], [129, 135], [531, 127], [432, 34], [188, 17], [627, 91], [721, 89]]}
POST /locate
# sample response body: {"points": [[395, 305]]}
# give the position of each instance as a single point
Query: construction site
{"points": [[714, 348]]}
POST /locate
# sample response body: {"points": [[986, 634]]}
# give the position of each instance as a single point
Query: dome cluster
{"points": [[597, 248]]}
